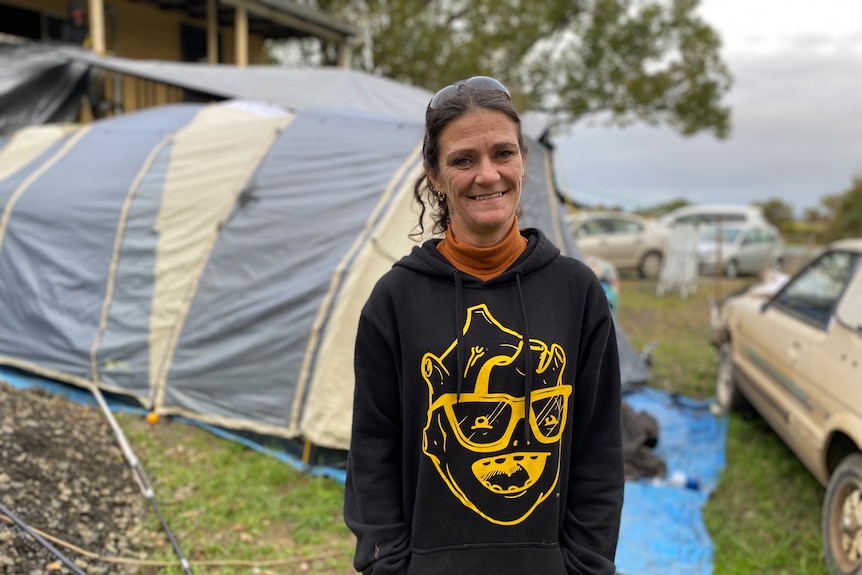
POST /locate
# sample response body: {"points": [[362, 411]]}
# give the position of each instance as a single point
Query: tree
{"points": [[777, 213], [655, 61], [847, 212], [832, 205], [668, 207], [813, 215]]}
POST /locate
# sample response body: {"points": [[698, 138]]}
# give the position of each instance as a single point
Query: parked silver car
{"points": [[739, 249]]}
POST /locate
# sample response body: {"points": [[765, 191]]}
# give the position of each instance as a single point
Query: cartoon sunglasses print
{"points": [[486, 422]]}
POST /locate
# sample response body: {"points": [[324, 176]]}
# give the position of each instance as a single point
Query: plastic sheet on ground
{"points": [[663, 531]]}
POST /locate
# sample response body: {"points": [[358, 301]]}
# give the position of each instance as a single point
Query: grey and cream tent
{"points": [[211, 260]]}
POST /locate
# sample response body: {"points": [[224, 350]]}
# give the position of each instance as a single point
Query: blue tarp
{"points": [[663, 532]]}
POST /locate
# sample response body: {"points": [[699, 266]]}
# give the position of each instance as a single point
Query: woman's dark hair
{"points": [[466, 99]]}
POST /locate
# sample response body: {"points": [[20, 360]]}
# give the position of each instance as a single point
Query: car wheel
{"points": [[727, 394], [650, 265], [842, 518], [731, 270]]}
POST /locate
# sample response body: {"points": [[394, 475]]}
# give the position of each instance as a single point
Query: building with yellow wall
{"points": [[205, 31]]}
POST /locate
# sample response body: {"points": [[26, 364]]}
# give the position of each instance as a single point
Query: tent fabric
{"points": [[291, 88], [211, 261], [39, 86], [228, 257]]}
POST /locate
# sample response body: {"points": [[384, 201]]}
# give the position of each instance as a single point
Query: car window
{"points": [[626, 227], [711, 233], [592, 228], [751, 237], [849, 311], [813, 293]]}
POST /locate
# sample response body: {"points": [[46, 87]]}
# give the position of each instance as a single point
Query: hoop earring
{"points": [[441, 197]]}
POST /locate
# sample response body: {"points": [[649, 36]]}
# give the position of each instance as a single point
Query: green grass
{"points": [[226, 502], [765, 515]]}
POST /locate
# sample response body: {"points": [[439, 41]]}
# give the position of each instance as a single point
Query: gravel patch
{"points": [[62, 473]]}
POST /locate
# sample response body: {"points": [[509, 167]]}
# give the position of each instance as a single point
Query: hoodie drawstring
{"points": [[459, 349], [525, 349], [528, 362]]}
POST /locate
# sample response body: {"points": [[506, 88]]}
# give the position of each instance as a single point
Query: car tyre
{"points": [[650, 265], [842, 518], [727, 394], [731, 270]]}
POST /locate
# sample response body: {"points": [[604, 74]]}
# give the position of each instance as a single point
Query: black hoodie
{"points": [[469, 455]]}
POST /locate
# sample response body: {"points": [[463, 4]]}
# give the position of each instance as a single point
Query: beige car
{"points": [[792, 350], [626, 240]]}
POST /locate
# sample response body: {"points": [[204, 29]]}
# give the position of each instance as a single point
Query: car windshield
{"points": [[713, 233], [813, 293]]}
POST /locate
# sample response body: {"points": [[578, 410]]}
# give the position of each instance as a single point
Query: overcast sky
{"points": [[796, 115]]}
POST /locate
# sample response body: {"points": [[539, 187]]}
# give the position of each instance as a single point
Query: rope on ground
{"points": [[159, 563]]}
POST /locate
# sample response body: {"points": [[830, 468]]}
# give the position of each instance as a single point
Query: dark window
{"points": [[29, 23], [20, 22], [193, 44]]}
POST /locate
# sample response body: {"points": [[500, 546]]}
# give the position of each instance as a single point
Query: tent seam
{"points": [[115, 257], [335, 282], [38, 173]]}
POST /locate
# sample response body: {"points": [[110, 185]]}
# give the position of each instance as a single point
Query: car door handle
{"points": [[793, 353]]}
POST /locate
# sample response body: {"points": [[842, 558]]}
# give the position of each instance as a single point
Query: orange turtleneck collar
{"points": [[484, 263]]}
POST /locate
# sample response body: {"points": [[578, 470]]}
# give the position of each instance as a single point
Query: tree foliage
{"points": [[666, 207], [778, 213], [655, 61], [846, 212]]}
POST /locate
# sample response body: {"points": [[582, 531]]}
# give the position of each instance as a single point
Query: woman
{"points": [[486, 423]]}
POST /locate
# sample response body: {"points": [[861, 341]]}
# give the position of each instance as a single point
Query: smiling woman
{"points": [[472, 449], [480, 176]]}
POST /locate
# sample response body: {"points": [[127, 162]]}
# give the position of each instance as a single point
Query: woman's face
{"points": [[481, 170]]}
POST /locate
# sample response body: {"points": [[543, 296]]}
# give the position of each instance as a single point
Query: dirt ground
{"points": [[62, 473]]}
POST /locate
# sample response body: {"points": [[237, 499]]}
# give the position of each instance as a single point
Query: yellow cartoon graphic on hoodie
{"points": [[494, 433]]}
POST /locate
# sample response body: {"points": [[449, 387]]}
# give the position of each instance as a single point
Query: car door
{"points": [[753, 252], [609, 238], [766, 356], [626, 242], [593, 238], [816, 352]]}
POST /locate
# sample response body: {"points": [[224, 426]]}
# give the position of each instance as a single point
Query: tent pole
{"points": [[306, 452], [140, 478]]}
